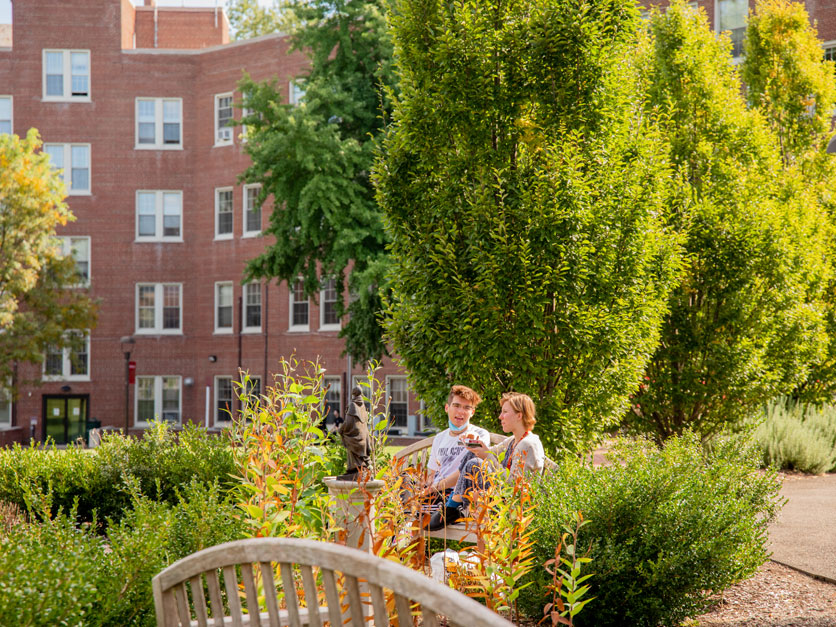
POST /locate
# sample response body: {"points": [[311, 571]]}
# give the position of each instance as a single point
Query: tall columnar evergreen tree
{"points": [[315, 160], [524, 192], [747, 320], [791, 85], [36, 311]]}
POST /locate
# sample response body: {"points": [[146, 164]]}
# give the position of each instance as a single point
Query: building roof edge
{"points": [[186, 51]]}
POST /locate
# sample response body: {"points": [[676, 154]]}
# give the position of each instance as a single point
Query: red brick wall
{"points": [[107, 215], [180, 28]]}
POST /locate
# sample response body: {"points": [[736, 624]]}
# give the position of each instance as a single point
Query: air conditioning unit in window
{"points": [[225, 134]]}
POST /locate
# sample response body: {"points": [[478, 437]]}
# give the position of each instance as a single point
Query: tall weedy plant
{"points": [[281, 455]]}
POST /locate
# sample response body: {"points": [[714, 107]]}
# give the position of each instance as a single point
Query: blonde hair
{"points": [[522, 404]]}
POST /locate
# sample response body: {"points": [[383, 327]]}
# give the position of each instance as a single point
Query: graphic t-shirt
{"points": [[447, 450]]}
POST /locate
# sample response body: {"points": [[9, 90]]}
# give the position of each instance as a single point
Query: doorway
{"points": [[65, 417]]}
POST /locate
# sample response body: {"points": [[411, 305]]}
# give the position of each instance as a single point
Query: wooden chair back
{"points": [[338, 583]]}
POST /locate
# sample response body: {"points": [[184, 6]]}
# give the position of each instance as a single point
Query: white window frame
{"points": [[328, 382], [159, 143], [159, 294], [322, 292], [11, 118], [224, 134], [5, 408], [389, 380], [218, 421], [66, 172], [219, 330], [297, 328], [248, 287], [735, 59], [67, 75], [159, 216], [66, 365], [158, 400], [66, 243], [295, 92], [256, 187], [218, 234]]}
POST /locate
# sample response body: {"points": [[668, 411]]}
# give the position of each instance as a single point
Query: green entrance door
{"points": [[65, 418]]}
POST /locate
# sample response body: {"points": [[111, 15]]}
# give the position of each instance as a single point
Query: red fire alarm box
{"points": [[131, 372]]}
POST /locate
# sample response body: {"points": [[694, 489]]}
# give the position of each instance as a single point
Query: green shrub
{"points": [[667, 528], [55, 571], [162, 461], [793, 436]]}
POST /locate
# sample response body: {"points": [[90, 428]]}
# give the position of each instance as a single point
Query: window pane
{"points": [[145, 115], [224, 399], [80, 73], [171, 215], [80, 250], [253, 304], [144, 399], [398, 406], [80, 156], [333, 396], [171, 121], [5, 409], [300, 305], [56, 155], [253, 210], [224, 131], [224, 212], [171, 133], [78, 361], [171, 399], [146, 207], [329, 303], [224, 306], [171, 306], [146, 306], [54, 73], [54, 362]]}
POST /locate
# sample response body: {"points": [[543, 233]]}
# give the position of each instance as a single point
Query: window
{"points": [[223, 117], [5, 409], [224, 395], [399, 401], [158, 307], [223, 307], [732, 18], [223, 213], [829, 53], [299, 307], [69, 363], [252, 307], [252, 210], [158, 123], [328, 318], [159, 216], [79, 248], [295, 92], [333, 398], [158, 397], [252, 387], [6, 114], [74, 160], [66, 75]]}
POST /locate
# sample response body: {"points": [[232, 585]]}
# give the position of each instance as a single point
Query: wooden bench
{"points": [[353, 584], [417, 455]]}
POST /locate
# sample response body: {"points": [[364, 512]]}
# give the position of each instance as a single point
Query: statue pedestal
{"points": [[353, 509]]}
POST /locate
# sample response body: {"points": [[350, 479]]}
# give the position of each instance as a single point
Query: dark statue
{"points": [[354, 433]]}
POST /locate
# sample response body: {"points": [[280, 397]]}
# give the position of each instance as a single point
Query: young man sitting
{"points": [[448, 446]]}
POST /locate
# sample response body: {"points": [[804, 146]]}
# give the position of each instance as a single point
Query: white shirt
{"points": [[447, 450]]}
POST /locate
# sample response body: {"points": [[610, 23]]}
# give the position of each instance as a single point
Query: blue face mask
{"points": [[454, 428]]}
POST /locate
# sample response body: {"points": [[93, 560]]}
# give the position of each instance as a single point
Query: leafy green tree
{"points": [[315, 160], [248, 18], [792, 86], [35, 309], [747, 319], [524, 191]]}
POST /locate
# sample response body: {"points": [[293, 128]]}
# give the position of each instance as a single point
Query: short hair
{"points": [[521, 403], [466, 393]]}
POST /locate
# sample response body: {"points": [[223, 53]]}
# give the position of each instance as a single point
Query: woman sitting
{"points": [[520, 453]]}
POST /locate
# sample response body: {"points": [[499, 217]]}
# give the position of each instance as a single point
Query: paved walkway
{"points": [[804, 535]]}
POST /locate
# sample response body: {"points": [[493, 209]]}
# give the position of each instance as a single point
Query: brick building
{"points": [[133, 104]]}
